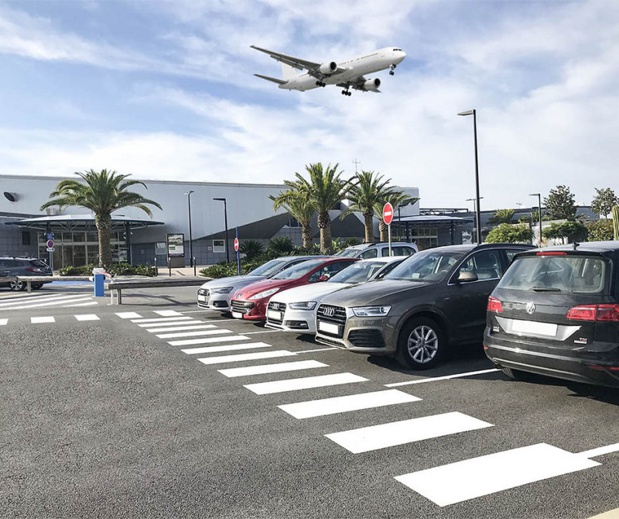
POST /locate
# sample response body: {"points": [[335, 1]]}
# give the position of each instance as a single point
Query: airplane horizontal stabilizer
{"points": [[273, 79]]}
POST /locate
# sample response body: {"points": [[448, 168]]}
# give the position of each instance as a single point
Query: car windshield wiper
{"points": [[546, 289]]}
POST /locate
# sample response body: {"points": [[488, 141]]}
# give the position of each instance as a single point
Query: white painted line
{"points": [[181, 328], [189, 342], [167, 313], [492, 473], [163, 320], [168, 325], [91, 303], [594, 453], [447, 377], [128, 315], [227, 347], [407, 431], [264, 369], [39, 320], [343, 404], [87, 317], [193, 333], [317, 350], [3, 322], [36, 298], [296, 384], [247, 356], [52, 303], [261, 331]]}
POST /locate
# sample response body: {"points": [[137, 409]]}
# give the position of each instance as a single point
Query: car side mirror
{"points": [[466, 276]]}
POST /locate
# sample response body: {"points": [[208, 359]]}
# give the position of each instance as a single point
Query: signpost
{"points": [[238, 254], [388, 218]]}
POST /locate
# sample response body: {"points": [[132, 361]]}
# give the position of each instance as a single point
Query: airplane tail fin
{"points": [[289, 72]]}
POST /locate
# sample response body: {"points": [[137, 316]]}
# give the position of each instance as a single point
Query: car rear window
{"points": [[558, 273], [38, 263]]}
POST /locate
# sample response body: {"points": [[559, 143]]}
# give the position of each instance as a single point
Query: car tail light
{"points": [[599, 313], [551, 253], [494, 305], [32, 269]]}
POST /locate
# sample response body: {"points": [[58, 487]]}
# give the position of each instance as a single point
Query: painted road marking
{"points": [[39, 320], [87, 317], [272, 368], [406, 431], [167, 313], [129, 315], [227, 347], [447, 377], [162, 320], [247, 356], [343, 404], [90, 303], [181, 328], [3, 322], [188, 342], [193, 333], [52, 303], [476, 477], [296, 384]]}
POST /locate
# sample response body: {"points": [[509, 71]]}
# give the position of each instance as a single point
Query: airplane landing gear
{"points": [[392, 67], [346, 92], [320, 84]]}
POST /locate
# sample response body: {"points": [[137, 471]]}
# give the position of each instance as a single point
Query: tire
{"points": [[18, 286], [422, 344], [36, 286]]}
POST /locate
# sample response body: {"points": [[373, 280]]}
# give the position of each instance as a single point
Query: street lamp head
{"points": [[534, 194], [467, 112], [220, 199], [188, 193]]}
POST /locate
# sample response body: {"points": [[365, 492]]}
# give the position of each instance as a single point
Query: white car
{"points": [[294, 310]]}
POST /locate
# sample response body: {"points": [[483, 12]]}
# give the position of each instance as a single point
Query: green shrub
{"points": [[118, 269], [600, 230]]}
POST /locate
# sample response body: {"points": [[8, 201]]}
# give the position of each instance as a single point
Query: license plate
{"points": [[202, 299], [328, 327], [546, 329], [237, 315], [274, 314]]}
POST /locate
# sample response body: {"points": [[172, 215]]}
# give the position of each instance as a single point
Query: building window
{"points": [[219, 246], [25, 237]]}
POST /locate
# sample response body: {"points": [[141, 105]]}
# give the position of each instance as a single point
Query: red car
{"points": [[251, 301]]}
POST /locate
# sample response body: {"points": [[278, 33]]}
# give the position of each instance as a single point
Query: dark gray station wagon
{"points": [[433, 300]]}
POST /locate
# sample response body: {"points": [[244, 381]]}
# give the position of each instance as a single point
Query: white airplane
{"points": [[346, 74]]}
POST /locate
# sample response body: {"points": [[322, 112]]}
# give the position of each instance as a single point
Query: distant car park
{"points": [[11, 267], [379, 250]]}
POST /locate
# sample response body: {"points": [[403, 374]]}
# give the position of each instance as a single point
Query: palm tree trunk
{"points": [[104, 224], [306, 234], [384, 230], [324, 224], [369, 227]]}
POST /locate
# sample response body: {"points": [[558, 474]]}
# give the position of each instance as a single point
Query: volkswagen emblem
{"points": [[328, 311], [530, 308]]}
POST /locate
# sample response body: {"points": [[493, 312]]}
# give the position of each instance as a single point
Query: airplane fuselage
{"points": [[375, 61]]}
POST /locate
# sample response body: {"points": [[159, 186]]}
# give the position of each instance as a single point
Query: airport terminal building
{"points": [[194, 221]]}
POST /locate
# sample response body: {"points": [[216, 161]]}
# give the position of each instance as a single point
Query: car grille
{"points": [[366, 338], [242, 307], [333, 315], [277, 307]]}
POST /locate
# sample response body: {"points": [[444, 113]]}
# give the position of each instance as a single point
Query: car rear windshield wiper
{"points": [[546, 289]]}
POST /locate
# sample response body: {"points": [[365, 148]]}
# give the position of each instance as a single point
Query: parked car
{"points": [[379, 250], [251, 302], [432, 301], [294, 310], [22, 267], [217, 293], [556, 313]]}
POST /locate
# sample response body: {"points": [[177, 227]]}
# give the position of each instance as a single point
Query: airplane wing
{"points": [[273, 79], [313, 69], [363, 84]]}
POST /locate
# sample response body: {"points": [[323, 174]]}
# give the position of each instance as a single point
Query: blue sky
{"points": [[164, 89]]}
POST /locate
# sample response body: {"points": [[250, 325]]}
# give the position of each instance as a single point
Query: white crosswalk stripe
{"points": [[162, 320], [247, 356], [280, 367], [189, 342], [226, 347], [181, 328], [128, 315], [406, 431], [24, 303], [280, 386], [3, 322], [87, 317], [343, 404], [194, 333], [40, 320], [167, 313]]}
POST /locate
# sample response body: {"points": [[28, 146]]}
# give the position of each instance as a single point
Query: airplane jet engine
{"points": [[328, 68], [371, 85]]}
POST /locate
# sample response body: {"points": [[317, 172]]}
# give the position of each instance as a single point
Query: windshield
{"points": [[269, 268], [357, 272], [561, 273], [426, 266], [348, 253], [298, 270]]}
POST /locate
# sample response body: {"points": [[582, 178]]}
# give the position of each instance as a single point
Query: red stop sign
{"points": [[236, 244], [388, 213]]}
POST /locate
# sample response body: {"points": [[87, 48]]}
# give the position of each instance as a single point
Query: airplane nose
{"points": [[401, 56]]}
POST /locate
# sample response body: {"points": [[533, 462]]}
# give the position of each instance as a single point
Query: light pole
{"points": [[539, 214], [473, 112], [188, 193], [226, 226]]}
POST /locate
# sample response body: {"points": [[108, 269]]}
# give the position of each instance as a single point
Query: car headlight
{"points": [[222, 290], [265, 293], [371, 311], [303, 305]]}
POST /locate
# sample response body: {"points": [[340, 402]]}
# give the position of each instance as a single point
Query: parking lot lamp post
{"points": [[188, 193], [473, 112], [226, 226], [539, 214]]}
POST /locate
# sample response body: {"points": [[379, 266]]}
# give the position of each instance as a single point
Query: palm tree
{"points": [[103, 192], [325, 189], [368, 191], [299, 206], [396, 199]]}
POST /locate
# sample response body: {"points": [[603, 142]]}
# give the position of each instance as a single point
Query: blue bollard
{"points": [[99, 285]]}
